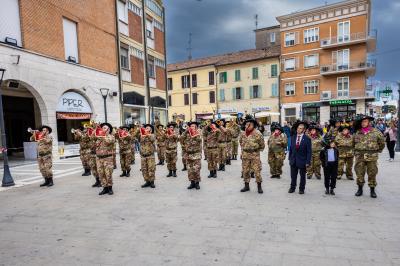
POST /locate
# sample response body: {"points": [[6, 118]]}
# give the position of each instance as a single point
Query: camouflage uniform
{"points": [[115, 155], [345, 146], [222, 147], [212, 150], [160, 137], [84, 148], [315, 166], [235, 139], [366, 150], [276, 153], [134, 133], [182, 139], [204, 134], [44, 149], [171, 153], [251, 145], [105, 159], [193, 157], [333, 132], [92, 160], [148, 160], [229, 144], [125, 152]]}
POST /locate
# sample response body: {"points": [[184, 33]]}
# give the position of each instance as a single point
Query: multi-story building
{"points": [[267, 37], [324, 61], [141, 26], [231, 84], [57, 56]]}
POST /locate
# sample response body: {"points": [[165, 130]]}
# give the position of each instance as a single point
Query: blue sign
{"points": [[219, 116]]}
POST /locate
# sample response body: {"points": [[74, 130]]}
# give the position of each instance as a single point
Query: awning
{"points": [[73, 116], [266, 114]]}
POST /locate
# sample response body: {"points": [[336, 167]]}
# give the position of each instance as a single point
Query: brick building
{"points": [[57, 55]]}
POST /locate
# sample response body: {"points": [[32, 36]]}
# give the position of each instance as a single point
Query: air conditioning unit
{"points": [[326, 95], [326, 42]]}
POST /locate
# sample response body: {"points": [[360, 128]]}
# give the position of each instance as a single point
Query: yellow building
{"points": [[239, 83]]}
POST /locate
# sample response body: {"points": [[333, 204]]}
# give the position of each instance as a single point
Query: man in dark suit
{"points": [[299, 156]]}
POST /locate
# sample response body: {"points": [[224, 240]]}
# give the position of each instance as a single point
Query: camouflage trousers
{"points": [[229, 150], [93, 166], [148, 165], [315, 166], [275, 161], [366, 165], [251, 165], [235, 146], [205, 150], [161, 152], [183, 157], [45, 165], [84, 155], [105, 167], [133, 151], [348, 162], [125, 160], [114, 157], [222, 153], [212, 158], [194, 167], [171, 157]]}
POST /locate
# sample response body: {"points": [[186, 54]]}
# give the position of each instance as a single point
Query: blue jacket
{"points": [[301, 157]]}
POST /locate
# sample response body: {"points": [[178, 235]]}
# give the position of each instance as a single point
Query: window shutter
{"points": [[241, 93], [296, 37], [283, 65], [297, 63], [233, 93], [260, 91], [251, 92], [274, 89], [182, 82]]}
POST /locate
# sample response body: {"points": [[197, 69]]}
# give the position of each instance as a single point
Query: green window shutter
{"points": [[274, 89], [225, 77], [274, 70], [221, 95], [233, 93], [241, 93], [255, 72], [237, 75], [251, 92]]}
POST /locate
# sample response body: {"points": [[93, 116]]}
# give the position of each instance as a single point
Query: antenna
{"points": [[256, 20], [189, 49]]}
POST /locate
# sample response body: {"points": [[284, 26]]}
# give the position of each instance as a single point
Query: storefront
{"points": [[342, 108], [311, 112]]}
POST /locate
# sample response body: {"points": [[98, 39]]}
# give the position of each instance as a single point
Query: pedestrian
{"points": [[381, 126], [286, 130], [252, 143], [182, 139], [212, 148], [235, 128], [368, 143], [299, 156], [160, 138], [193, 155], [228, 126], [147, 150], [277, 144], [345, 144], [171, 154], [125, 142], [92, 160], [316, 145], [204, 133], [329, 157], [391, 139], [222, 144]]}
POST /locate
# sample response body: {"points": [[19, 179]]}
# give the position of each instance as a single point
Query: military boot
{"points": [[128, 173], [220, 167], [152, 185], [87, 172], [123, 173], [211, 174], [197, 185], [350, 178], [160, 162], [228, 161], [215, 174], [104, 191], [97, 183], [192, 185], [147, 184], [259, 188], [110, 191], [373, 194], [174, 173], [359, 191], [184, 167], [50, 184], [169, 173], [46, 182], [246, 187]]}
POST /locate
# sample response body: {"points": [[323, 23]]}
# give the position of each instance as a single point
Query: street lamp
{"points": [[104, 93], [7, 178]]}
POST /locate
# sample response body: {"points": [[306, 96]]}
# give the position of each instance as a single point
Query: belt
{"points": [[193, 152], [104, 156], [147, 155], [171, 149], [212, 148], [250, 150], [44, 153]]}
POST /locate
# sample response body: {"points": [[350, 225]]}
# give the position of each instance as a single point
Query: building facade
{"points": [[57, 56], [142, 35], [324, 61]]}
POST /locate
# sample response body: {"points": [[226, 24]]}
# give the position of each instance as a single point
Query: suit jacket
{"points": [[302, 156]]}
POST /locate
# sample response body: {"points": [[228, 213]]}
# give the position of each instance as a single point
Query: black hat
{"points": [[250, 119], [359, 118], [160, 125], [192, 122], [276, 125], [48, 128], [108, 125], [298, 123], [124, 127], [149, 125], [171, 124]]}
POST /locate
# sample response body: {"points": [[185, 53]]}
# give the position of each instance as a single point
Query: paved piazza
{"points": [[69, 224]]}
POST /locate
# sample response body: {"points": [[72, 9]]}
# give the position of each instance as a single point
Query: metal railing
{"points": [[349, 67], [344, 39]]}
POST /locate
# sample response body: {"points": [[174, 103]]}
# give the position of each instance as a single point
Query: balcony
{"points": [[346, 96], [369, 67], [353, 38]]}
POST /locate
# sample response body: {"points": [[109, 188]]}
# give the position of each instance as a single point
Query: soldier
{"points": [[252, 143], [92, 160], [171, 154], [228, 125], [235, 139], [134, 133], [182, 139], [334, 125], [316, 147], [193, 155], [84, 148], [345, 144], [160, 137], [277, 144], [44, 150], [222, 145], [147, 150], [125, 141], [212, 148], [105, 143], [368, 143], [204, 132]]}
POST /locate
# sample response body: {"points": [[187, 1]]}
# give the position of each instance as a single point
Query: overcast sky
{"points": [[220, 26]]}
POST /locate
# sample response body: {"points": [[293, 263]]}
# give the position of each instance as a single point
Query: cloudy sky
{"points": [[220, 26]]}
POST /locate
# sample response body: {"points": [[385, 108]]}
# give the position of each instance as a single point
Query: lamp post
{"points": [[398, 118], [7, 178], [104, 93]]}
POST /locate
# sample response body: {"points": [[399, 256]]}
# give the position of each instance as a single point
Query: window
{"points": [[255, 92], [137, 53], [237, 75], [272, 37], [185, 81], [311, 35], [124, 58], [158, 25], [223, 77], [237, 93], [211, 80], [170, 84], [221, 95], [343, 34], [159, 62], [290, 89], [152, 5], [311, 60], [311, 86], [274, 90], [342, 59], [255, 72], [151, 67], [194, 80], [343, 87], [194, 98], [10, 25], [134, 8], [149, 29], [274, 71], [212, 96], [70, 40], [169, 100], [122, 11], [290, 114], [290, 64], [186, 99], [290, 38]]}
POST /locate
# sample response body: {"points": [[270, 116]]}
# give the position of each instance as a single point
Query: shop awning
{"points": [[265, 114], [73, 116]]}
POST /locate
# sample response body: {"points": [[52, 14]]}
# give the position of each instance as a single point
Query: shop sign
{"points": [[227, 110], [72, 102], [305, 105], [260, 109], [341, 102], [73, 116]]}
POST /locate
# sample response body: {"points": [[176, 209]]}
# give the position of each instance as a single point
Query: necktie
{"points": [[298, 142]]}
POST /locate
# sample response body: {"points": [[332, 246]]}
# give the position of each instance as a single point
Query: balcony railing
{"points": [[346, 95], [356, 37], [369, 66]]}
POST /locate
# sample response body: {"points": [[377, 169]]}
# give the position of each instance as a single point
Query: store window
{"points": [[311, 114], [290, 115], [343, 111]]}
